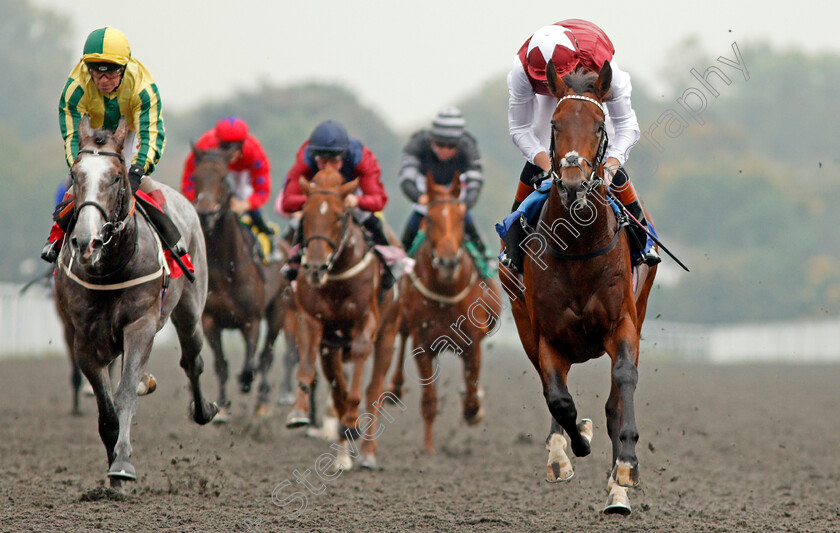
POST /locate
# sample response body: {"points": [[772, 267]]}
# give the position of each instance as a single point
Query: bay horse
{"points": [[446, 305], [114, 293], [242, 290], [579, 300], [340, 315]]}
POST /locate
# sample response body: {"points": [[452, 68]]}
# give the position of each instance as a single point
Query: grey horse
{"points": [[114, 293]]}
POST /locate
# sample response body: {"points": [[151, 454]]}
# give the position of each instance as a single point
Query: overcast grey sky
{"points": [[406, 59]]}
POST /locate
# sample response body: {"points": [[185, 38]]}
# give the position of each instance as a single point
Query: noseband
{"points": [[112, 227], [573, 159], [337, 248]]}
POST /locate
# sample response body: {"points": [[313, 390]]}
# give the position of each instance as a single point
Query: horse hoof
{"points": [[147, 385], [476, 418], [617, 508], [207, 414], [585, 429], [297, 419], [559, 466], [222, 417], [367, 461], [625, 474], [262, 410], [286, 398], [122, 470], [617, 502], [87, 390], [245, 380], [343, 462]]}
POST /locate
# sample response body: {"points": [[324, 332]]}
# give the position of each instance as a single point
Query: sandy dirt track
{"points": [[742, 448]]}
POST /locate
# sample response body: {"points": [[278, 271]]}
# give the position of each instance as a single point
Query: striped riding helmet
{"points": [[448, 126], [106, 45]]}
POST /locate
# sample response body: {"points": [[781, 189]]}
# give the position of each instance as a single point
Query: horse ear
{"points": [[197, 152], [430, 183], [348, 187], [555, 83], [455, 187], [305, 185], [122, 131], [84, 128], [602, 85]]}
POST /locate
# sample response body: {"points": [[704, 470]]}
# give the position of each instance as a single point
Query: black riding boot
{"points": [[62, 216], [258, 222], [162, 221], [514, 256], [640, 237], [377, 231]]}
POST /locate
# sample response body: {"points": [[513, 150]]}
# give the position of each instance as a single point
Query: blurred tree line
{"points": [[746, 199]]}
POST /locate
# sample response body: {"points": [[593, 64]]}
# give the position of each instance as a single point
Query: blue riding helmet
{"points": [[329, 137]]}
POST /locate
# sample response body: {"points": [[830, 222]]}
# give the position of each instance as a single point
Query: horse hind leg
{"points": [[250, 333], [473, 411], [291, 357], [266, 360], [220, 365], [190, 338]]}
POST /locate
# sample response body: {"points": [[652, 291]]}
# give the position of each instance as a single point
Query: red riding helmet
{"points": [[231, 129]]}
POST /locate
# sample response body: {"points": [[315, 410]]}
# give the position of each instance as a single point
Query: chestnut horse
{"points": [[114, 294], [340, 315], [242, 290], [579, 300], [446, 305]]}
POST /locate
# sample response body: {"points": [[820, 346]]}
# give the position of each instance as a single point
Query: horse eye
{"points": [[118, 177]]}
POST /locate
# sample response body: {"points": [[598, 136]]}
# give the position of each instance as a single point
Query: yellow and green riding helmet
{"points": [[106, 45]]}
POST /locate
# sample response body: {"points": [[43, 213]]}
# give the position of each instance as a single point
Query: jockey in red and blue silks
{"points": [[249, 166], [569, 44], [329, 146]]}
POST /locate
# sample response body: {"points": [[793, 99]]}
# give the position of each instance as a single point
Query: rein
{"points": [[112, 227], [594, 182], [337, 248]]}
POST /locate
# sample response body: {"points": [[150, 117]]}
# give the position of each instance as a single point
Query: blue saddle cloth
{"points": [[531, 206]]}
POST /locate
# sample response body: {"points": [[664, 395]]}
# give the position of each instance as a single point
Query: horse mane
{"points": [[581, 81]]}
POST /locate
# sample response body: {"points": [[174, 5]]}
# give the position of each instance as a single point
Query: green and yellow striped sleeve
{"points": [[69, 114], [148, 121]]}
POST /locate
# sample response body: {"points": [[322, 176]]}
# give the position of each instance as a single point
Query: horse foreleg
{"points": [[555, 369], [309, 334], [367, 424], [624, 377], [76, 383], [559, 464], [250, 334], [398, 377], [290, 359], [109, 424], [473, 412], [185, 318], [137, 346], [428, 400]]}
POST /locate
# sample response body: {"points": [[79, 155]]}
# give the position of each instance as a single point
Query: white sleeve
{"points": [[623, 118], [522, 112]]}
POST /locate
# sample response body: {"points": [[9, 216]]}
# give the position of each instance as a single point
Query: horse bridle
{"points": [[337, 248], [573, 159], [435, 258], [112, 227]]}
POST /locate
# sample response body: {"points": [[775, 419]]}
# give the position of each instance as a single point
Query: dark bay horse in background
{"points": [[242, 290], [446, 305], [340, 316], [110, 282], [578, 299]]}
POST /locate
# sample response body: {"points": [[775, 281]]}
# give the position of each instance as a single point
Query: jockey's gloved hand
{"points": [[135, 175], [537, 180]]}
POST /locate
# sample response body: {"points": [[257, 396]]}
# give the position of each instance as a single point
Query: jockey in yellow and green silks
{"points": [[107, 84]]}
